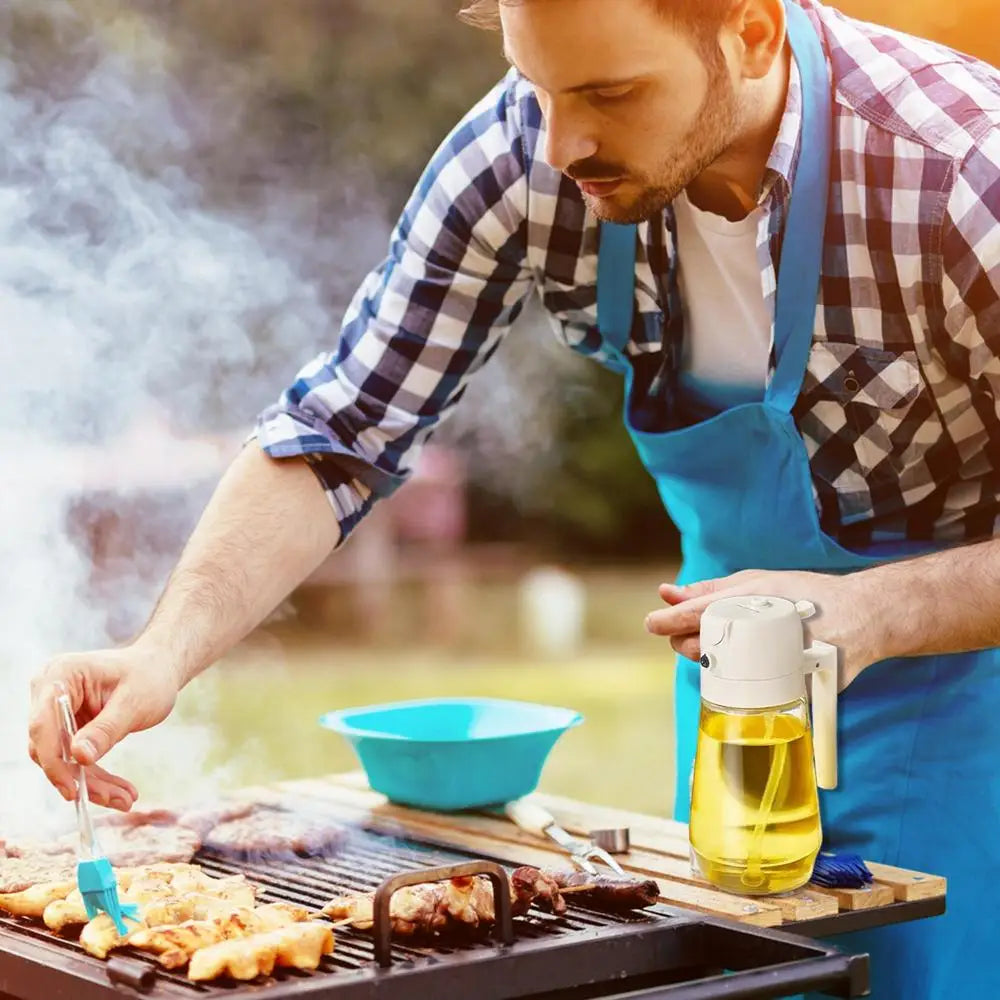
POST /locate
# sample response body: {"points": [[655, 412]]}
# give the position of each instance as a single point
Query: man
{"points": [[831, 436]]}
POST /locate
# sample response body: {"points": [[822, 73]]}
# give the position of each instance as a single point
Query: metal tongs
{"points": [[94, 875], [583, 853]]}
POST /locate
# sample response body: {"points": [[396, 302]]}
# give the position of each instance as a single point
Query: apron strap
{"points": [[616, 283], [802, 246]]}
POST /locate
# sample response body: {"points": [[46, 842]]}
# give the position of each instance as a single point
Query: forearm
{"points": [[941, 603], [267, 527]]}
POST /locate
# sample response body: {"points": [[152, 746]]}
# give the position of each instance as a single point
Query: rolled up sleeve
{"points": [[422, 323]]}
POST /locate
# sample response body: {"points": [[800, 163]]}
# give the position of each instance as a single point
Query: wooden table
{"points": [[659, 850]]}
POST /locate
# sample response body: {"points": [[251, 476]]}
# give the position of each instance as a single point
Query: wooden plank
{"points": [[651, 833], [355, 805], [869, 898], [669, 837], [659, 847], [673, 863], [909, 885], [805, 904], [498, 827]]}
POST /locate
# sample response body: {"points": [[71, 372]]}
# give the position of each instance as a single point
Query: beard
{"points": [[717, 124]]}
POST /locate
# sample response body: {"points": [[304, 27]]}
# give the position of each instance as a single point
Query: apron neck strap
{"points": [[802, 244], [616, 283]]}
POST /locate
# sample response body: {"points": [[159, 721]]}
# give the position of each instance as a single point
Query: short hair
{"points": [[703, 18]]}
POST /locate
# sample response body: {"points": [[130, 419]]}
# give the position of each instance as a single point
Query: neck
{"points": [[731, 185]]}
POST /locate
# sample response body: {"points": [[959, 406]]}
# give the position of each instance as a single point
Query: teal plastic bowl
{"points": [[449, 754]]}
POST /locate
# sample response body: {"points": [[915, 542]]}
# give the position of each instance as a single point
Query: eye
{"points": [[613, 93]]}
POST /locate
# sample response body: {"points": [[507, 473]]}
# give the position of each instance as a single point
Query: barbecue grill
{"points": [[661, 952]]}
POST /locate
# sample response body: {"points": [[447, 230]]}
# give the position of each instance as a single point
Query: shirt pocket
{"points": [[865, 398]]}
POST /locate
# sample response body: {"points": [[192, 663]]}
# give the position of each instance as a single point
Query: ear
{"points": [[755, 30]]}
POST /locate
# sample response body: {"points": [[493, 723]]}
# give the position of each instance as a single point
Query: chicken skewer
{"points": [[468, 901], [297, 946], [32, 900], [158, 907], [99, 937], [145, 887], [606, 892], [175, 944]]}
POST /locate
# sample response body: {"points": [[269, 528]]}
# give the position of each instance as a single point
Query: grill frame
{"points": [[672, 952]]}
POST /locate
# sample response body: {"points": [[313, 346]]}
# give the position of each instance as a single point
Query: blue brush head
{"points": [[99, 889], [841, 871]]}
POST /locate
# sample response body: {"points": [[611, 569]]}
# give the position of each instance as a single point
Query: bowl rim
{"points": [[338, 720]]}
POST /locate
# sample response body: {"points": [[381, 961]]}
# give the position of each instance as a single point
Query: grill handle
{"points": [[502, 929], [126, 972], [838, 975]]}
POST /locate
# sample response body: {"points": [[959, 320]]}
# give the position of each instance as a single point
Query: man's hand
{"points": [[113, 692], [846, 616]]}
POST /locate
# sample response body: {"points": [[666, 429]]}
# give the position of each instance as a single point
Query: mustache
{"points": [[594, 170]]}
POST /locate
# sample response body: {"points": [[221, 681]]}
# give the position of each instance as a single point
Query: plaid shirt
{"points": [[899, 407]]}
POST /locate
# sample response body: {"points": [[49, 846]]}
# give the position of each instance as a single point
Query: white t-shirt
{"points": [[727, 323]]}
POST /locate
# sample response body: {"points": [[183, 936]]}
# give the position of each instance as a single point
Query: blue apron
{"points": [[919, 784]]}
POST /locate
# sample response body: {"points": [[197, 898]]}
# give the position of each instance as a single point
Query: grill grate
{"points": [[361, 865], [366, 861], [601, 952]]}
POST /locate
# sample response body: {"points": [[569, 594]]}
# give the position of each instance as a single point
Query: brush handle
{"points": [[88, 843]]}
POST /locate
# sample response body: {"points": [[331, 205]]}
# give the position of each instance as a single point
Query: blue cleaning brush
{"points": [[841, 871], [94, 876]]}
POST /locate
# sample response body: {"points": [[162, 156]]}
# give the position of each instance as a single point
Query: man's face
{"points": [[634, 109]]}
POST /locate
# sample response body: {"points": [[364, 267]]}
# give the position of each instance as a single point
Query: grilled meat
{"points": [[155, 884], [149, 843], [43, 848], [435, 906], [20, 873], [176, 944], [31, 902], [150, 816], [203, 820], [607, 892], [298, 946], [275, 832], [162, 904], [145, 837], [428, 907], [124, 844], [532, 885]]}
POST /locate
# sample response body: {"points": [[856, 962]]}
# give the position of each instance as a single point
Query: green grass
{"points": [[264, 714], [260, 707]]}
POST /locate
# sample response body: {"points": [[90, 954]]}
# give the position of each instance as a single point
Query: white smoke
{"points": [[140, 332], [141, 329]]}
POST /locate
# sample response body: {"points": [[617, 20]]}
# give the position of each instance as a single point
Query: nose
{"points": [[567, 138]]}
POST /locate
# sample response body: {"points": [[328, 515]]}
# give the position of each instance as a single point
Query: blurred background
{"points": [[190, 191]]}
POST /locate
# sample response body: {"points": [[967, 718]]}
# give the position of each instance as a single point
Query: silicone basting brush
{"points": [[94, 875]]}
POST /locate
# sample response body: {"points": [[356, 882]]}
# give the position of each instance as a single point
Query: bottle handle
{"points": [[821, 663]]}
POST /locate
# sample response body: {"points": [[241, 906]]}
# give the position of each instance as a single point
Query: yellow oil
{"points": [[755, 826]]}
